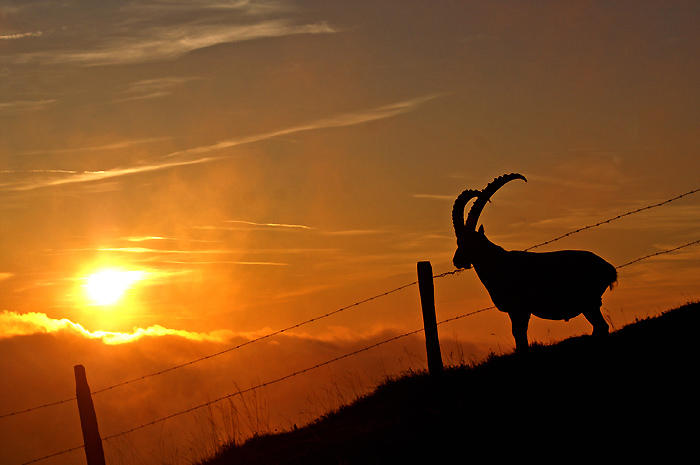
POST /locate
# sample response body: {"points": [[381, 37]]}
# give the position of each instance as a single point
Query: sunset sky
{"points": [[243, 166]]}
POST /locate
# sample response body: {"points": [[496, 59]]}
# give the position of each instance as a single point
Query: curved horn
{"points": [[485, 195], [458, 210]]}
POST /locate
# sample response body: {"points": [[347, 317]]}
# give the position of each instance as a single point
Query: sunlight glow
{"points": [[106, 287]]}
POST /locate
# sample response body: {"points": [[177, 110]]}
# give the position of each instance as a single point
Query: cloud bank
{"points": [[16, 324]]}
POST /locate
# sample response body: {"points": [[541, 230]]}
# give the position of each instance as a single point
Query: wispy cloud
{"points": [[145, 238], [91, 176], [26, 105], [270, 225], [224, 262], [165, 251], [152, 88], [199, 155], [21, 35], [434, 197], [161, 238], [40, 171], [342, 120], [194, 256], [169, 42], [247, 7], [354, 232]]}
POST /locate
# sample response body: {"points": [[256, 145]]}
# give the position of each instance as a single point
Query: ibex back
{"points": [[551, 285]]}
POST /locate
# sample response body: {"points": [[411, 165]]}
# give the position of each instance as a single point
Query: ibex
{"points": [[552, 285]]}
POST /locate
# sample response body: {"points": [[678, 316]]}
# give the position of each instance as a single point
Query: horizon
{"points": [[180, 177]]}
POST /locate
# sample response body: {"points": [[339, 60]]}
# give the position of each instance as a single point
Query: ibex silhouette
{"points": [[552, 285]]}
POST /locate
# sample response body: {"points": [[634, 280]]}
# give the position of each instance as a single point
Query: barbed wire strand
{"points": [[659, 253], [327, 362], [355, 305], [63, 452], [610, 220], [31, 409]]}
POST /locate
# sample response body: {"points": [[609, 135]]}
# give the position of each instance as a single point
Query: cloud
{"points": [[247, 7], [225, 262], [152, 88], [146, 238], [191, 254], [169, 42], [21, 36], [197, 155], [16, 324], [90, 176], [164, 251], [161, 238], [434, 197], [354, 232], [25, 105], [271, 225], [342, 120]]}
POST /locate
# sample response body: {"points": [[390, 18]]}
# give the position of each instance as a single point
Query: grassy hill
{"points": [[627, 396]]}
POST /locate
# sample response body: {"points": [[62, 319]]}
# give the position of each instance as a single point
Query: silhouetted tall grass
{"points": [[630, 395]]}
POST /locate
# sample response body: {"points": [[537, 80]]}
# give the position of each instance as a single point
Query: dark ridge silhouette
{"points": [[551, 285], [629, 395]]}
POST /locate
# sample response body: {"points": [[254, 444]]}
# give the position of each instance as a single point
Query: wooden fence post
{"points": [[427, 299], [88, 419]]}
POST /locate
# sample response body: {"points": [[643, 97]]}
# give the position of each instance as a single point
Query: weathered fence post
{"points": [[88, 419], [427, 299]]}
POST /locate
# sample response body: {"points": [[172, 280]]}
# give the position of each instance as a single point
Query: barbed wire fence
{"points": [[320, 317], [356, 304]]}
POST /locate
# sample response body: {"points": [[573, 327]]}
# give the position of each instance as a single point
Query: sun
{"points": [[106, 287]]}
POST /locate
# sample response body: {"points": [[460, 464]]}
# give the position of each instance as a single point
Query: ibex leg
{"points": [[520, 322], [595, 317]]}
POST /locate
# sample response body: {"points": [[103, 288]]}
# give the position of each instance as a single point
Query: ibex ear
{"points": [[481, 229]]}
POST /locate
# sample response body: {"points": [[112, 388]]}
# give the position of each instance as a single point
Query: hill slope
{"points": [[629, 395]]}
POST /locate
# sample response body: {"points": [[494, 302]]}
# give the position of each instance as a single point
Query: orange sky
{"points": [[255, 164]]}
